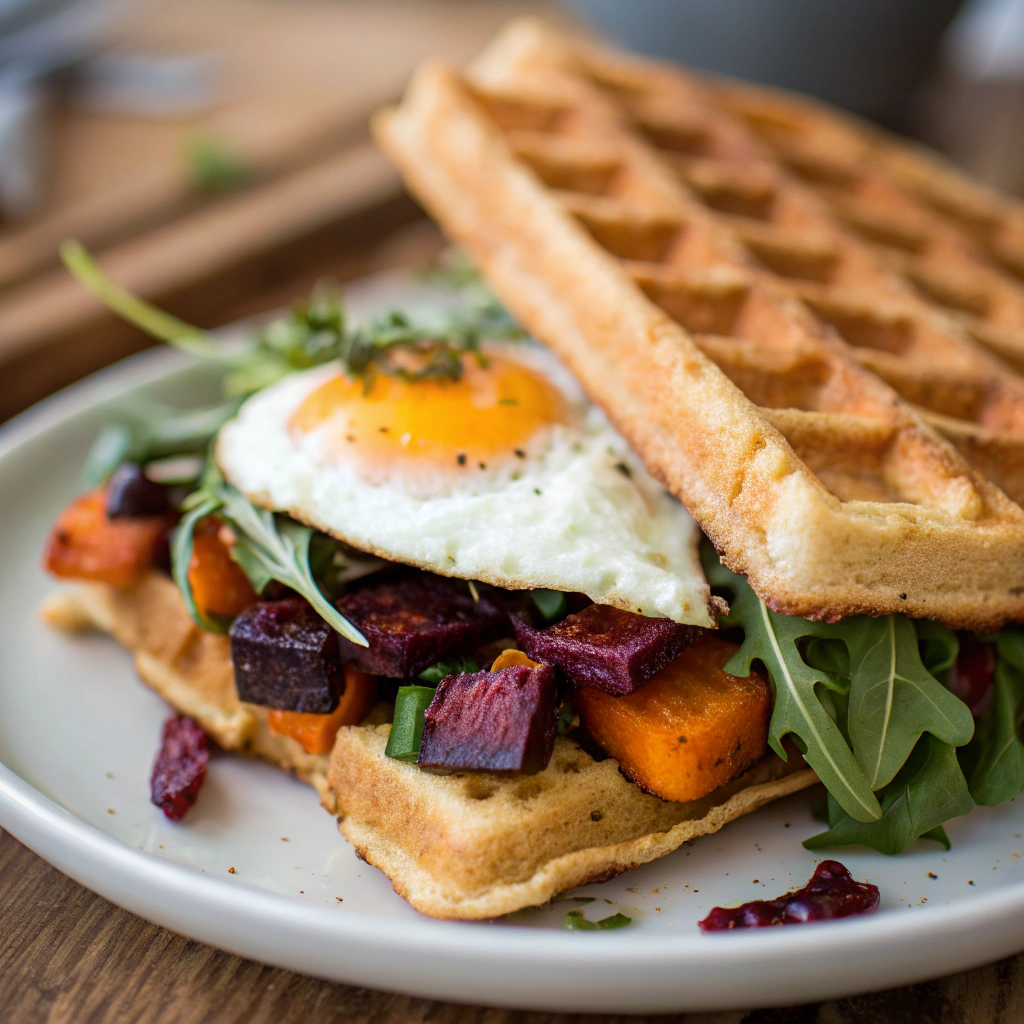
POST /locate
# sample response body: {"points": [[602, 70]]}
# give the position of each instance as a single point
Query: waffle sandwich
{"points": [[804, 331]]}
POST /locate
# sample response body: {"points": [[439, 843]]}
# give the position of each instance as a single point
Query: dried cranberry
{"points": [[830, 893], [414, 620], [286, 657], [500, 721], [970, 678], [130, 492], [607, 648], [180, 767]]}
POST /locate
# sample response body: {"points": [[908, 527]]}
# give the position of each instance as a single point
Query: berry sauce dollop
{"points": [[830, 893]]}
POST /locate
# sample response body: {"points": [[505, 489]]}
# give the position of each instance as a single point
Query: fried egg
{"points": [[507, 475]]}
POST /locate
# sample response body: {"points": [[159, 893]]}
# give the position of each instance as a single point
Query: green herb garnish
{"points": [[171, 433], [433, 675], [551, 604], [576, 922], [407, 727], [268, 547], [315, 332]]}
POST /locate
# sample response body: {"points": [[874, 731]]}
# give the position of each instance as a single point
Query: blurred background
{"points": [[215, 154]]}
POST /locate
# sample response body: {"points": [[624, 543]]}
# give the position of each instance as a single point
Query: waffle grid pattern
{"points": [[814, 478], [959, 244], [901, 305]]}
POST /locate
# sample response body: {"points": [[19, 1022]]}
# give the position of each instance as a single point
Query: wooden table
{"points": [[68, 955], [319, 201]]}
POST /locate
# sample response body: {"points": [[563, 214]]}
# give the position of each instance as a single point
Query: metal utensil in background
{"points": [[37, 39]]}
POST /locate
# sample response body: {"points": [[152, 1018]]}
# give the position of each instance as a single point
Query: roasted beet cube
{"points": [[286, 657], [414, 620], [130, 492], [607, 648], [180, 767], [492, 721]]}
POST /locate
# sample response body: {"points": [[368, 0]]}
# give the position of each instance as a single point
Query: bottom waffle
{"points": [[478, 846], [455, 846]]}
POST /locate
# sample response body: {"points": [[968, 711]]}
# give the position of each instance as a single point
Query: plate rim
{"points": [[949, 938]]}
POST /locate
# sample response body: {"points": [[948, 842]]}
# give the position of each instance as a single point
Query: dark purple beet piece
{"points": [[180, 767], [830, 893], [414, 620], [492, 721], [286, 657], [131, 493], [605, 647]]}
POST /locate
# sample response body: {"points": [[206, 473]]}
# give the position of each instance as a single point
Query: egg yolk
{"points": [[487, 416]]}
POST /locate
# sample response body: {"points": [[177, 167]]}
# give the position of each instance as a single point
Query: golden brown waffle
{"points": [[959, 244], [686, 313], [897, 281], [474, 846]]}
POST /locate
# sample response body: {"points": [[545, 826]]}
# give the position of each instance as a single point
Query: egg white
{"points": [[581, 514]]}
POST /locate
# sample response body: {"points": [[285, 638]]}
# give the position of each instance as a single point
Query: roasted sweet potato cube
{"points": [[500, 721], [315, 733], [688, 730], [414, 620], [286, 657], [607, 648], [85, 544], [219, 584]]}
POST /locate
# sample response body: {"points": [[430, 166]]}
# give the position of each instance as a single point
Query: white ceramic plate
{"points": [[78, 734]]}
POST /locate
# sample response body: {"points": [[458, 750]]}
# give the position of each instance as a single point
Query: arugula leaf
{"points": [[894, 698], [938, 835], [268, 547], [112, 446], [772, 639], [176, 432], [829, 655], [938, 646], [994, 762], [181, 556], [927, 791], [1010, 647], [280, 546]]}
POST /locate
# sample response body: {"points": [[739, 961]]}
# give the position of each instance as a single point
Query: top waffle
{"points": [[731, 327], [958, 244]]}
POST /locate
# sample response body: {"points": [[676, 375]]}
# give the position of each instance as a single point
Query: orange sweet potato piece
{"points": [[316, 732], [85, 545], [688, 730], [219, 586]]}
